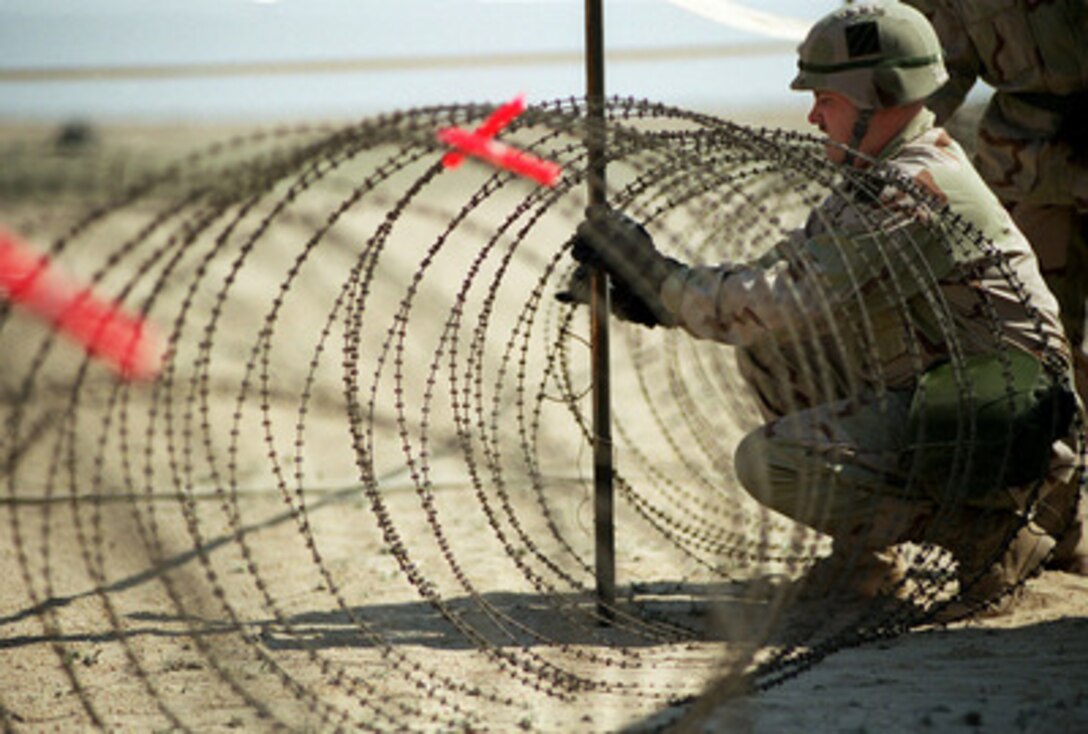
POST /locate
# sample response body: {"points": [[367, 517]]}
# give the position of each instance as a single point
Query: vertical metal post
{"points": [[604, 527]]}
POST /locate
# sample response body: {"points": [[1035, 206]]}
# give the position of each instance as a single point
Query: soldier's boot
{"points": [[1071, 553], [995, 553], [864, 561], [857, 572], [1062, 515]]}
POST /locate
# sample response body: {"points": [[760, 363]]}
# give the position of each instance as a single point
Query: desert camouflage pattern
{"points": [[1033, 139], [858, 261], [834, 324]]}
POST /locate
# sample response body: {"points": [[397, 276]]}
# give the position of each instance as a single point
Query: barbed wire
{"points": [[354, 497]]}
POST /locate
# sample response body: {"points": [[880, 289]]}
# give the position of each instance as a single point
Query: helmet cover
{"points": [[876, 54]]}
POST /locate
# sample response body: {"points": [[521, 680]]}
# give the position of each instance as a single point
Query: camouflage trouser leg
{"points": [[1059, 236], [835, 468]]}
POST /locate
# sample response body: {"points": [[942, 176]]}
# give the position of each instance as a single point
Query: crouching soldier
{"points": [[944, 413]]}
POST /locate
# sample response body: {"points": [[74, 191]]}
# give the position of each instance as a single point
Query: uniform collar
{"points": [[918, 126]]}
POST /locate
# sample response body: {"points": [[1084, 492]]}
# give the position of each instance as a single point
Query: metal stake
{"points": [[604, 527]]}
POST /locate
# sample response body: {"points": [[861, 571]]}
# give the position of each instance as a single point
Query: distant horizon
{"points": [[61, 34]]}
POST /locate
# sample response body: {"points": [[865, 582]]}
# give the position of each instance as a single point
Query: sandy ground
{"points": [[296, 529]]}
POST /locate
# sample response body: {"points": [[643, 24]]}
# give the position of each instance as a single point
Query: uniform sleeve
{"points": [[808, 282], [960, 57]]}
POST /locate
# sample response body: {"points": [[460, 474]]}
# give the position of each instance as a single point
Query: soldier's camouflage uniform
{"points": [[903, 345], [834, 325], [1033, 137]]}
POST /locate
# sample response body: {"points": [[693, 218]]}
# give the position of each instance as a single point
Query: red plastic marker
{"points": [[501, 155], [504, 156], [126, 343], [490, 127]]}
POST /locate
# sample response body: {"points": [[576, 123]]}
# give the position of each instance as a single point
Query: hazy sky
{"points": [[37, 34]]}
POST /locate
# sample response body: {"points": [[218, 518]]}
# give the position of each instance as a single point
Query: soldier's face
{"points": [[835, 115]]}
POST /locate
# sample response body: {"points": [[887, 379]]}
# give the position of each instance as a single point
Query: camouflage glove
{"points": [[624, 249]]}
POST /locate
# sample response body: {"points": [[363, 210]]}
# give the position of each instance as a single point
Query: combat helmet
{"points": [[876, 54]]}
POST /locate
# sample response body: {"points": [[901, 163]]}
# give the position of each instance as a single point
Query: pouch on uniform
{"points": [[985, 424]]}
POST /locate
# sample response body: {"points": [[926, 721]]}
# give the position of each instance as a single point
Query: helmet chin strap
{"points": [[861, 128]]}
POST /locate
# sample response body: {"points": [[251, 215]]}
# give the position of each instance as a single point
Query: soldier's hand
{"points": [[626, 306], [578, 291], [612, 241], [622, 247], [618, 245]]}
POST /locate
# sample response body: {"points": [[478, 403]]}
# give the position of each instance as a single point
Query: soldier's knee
{"points": [[751, 465]]}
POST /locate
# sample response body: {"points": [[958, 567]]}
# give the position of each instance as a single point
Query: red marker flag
{"points": [[501, 155], [491, 127], [125, 342]]}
